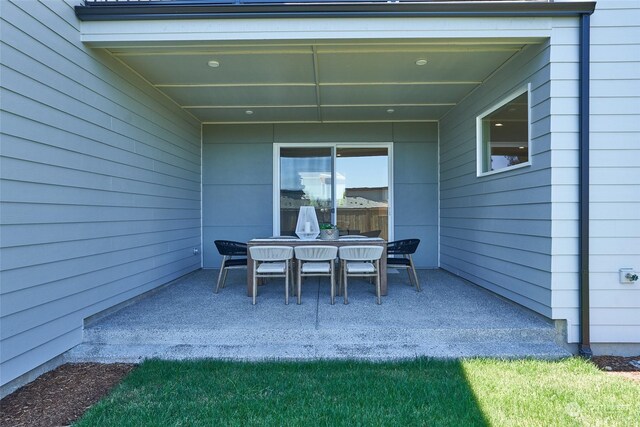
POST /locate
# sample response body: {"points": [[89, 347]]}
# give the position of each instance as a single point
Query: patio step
{"points": [[253, 344], [244, 336], [134, 353]]}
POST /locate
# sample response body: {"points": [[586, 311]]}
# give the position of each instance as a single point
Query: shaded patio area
{"points": [[449, 318]]}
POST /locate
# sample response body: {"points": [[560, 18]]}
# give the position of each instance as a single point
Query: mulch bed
{"points": [[621, 366], [61, 396]]}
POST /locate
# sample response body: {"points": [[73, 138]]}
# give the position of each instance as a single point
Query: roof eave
{"points": [[117, 11]]}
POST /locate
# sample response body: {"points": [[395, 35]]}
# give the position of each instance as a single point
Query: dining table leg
{"points": [[249, 274], [383, 271]]}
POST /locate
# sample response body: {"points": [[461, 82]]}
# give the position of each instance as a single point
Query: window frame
{"points": [[480, 145]]}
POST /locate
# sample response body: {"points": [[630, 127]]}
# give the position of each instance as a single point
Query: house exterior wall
{"points": [[496, 230], [100, 185], [615, 174], [531, 215], [238, 179]]}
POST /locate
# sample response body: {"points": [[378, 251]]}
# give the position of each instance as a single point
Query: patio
{"points": [[449, 318]]}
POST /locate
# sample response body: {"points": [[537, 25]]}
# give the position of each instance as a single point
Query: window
{"points": [[503, 135]]}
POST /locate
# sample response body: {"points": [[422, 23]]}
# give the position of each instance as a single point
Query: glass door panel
{"points": [[362, 191], [305, 180]]}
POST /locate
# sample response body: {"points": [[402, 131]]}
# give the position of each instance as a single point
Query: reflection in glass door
{"points": [[362, 191], [348, 186], [305, 180]]}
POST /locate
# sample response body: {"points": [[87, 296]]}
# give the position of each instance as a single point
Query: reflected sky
{"points": [[358, 172]]}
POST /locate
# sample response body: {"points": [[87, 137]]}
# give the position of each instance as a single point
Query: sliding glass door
{"points": [[362, 191], [305, 180], [348, 186]]}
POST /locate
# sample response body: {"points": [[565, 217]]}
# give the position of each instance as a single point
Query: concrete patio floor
{"points": [[450, 318]]}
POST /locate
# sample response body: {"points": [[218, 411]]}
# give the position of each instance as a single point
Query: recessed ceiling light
{"points": [[498, 125], [522, 148], [213, 64], [391, 111], [421, 62], [249, 112]]}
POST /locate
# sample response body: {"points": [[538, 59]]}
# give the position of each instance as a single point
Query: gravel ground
{"points": [[61, 396]]}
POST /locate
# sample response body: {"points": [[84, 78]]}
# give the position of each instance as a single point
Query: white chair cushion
{"points": [[361, 253], [316, 267], [360, 267], [316, 253], [271, 253], [272, 267]]}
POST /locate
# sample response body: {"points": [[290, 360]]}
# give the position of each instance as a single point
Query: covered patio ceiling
{"points": [[319, 82]]}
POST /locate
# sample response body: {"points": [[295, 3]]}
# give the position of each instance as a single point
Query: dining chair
{"points": [[316, 261], [401, 252], [271, 261], [230, 249], [360, 261]]}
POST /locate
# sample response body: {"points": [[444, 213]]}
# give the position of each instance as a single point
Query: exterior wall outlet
{"points": [[196, 251], [628, 276]]}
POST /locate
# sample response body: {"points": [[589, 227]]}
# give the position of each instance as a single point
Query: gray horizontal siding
{"points": [[547, 198], [496, 230], [615, 173], [238, 175], [100, 185], [564, 142]]}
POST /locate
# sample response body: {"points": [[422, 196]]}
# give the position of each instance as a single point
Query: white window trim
{"points": [[333, 145], [479, 143]]}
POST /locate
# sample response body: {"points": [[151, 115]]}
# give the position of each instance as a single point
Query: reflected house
{"points": [[319, 185], [380, 194]]}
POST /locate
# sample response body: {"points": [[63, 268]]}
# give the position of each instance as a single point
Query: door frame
{"points": [[333, 145]]}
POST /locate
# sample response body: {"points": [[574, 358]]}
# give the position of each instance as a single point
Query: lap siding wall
{"points": [[100, 185]]}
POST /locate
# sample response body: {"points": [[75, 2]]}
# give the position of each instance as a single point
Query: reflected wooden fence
{"points": [[351, 220]]}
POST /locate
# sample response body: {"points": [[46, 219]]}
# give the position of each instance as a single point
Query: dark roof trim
{"points": [[194, 9]]}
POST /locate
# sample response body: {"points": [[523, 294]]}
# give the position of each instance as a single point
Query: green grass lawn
{"points": [[421, 392]]}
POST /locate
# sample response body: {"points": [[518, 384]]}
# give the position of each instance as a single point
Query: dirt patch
{"points": [[61, 396]]}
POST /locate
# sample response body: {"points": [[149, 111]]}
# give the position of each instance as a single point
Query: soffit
{"points": [[342, 81]]}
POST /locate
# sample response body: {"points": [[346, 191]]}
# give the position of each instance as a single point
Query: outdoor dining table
{"points": [[349, 241]]}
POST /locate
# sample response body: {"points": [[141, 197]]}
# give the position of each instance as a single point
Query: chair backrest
{"points": [[403, 247], [316, 253], [271, 253], [361, 253], [231, 248]]}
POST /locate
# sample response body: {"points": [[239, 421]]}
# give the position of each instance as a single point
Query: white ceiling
{"points": [[319, 82]]}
